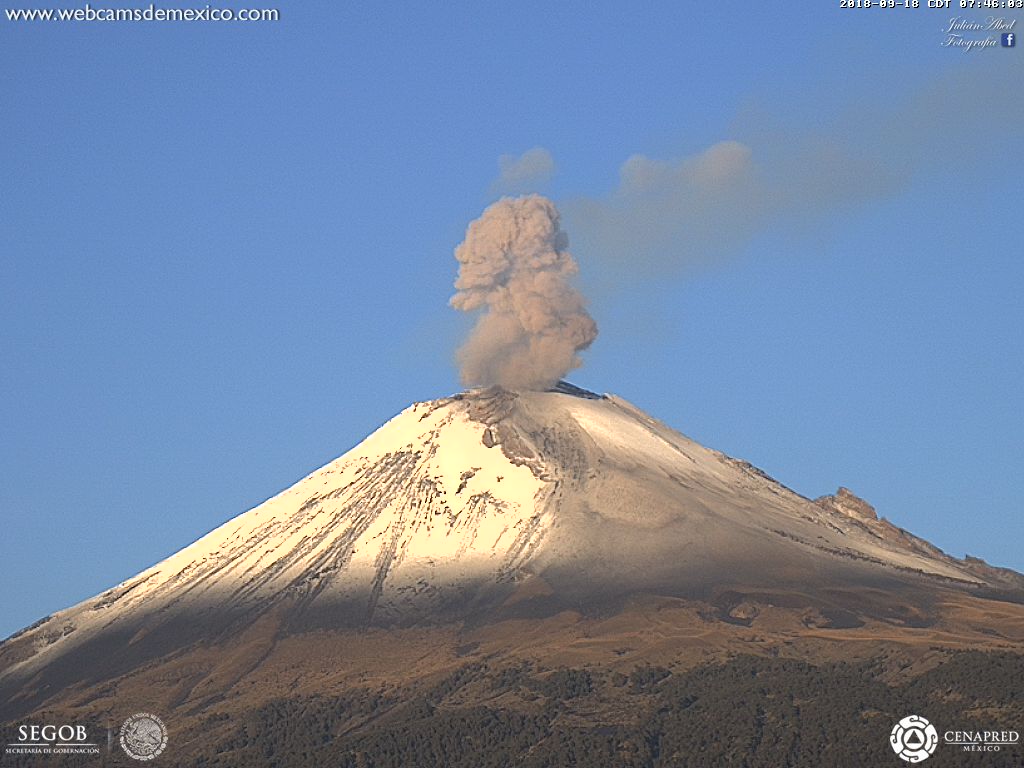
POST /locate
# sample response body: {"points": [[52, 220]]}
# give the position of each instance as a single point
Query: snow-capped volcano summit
{"points": [[493, 504]]}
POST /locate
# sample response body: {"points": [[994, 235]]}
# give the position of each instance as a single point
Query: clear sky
{"points": [[226, 251]]}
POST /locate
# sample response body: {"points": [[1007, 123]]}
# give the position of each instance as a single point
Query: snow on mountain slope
{"points": [[455, 503]]}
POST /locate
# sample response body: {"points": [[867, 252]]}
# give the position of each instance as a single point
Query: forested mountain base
{"points": [[750, 711]]}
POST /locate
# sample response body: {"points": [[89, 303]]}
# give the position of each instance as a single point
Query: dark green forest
{"points": [[748, 712]]}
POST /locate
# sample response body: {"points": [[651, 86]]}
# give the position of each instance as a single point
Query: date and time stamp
{"points": [[947, 5], [961, 32]]}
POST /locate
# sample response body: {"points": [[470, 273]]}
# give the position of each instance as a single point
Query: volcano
{"points": [[559, 528]]}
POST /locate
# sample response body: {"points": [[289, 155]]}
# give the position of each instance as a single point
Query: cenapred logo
{"points": [[143, 736], [914, 739]]}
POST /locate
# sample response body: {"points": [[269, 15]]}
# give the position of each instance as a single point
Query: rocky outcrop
{"points": [[848, 503]]}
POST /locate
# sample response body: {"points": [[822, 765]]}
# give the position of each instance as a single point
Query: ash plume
{"points": [[524, 173], [515, 270], [790, 176]]}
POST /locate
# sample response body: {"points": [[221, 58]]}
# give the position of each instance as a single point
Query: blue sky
{"points": [[226, 254]]}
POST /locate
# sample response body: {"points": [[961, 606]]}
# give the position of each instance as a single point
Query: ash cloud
{"points": [[778, 175], [673, 215], [525, 172], [684, 211], [516, 271]]}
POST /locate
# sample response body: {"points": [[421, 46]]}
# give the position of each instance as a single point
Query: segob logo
{"points": [[143, 736], [914, 739], [66, 739]]}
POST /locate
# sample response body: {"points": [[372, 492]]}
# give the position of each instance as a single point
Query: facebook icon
{"points": [[1009, 39]]}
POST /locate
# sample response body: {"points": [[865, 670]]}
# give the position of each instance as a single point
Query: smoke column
{"points": [[514, 268]]}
